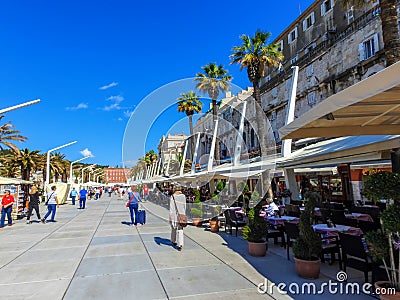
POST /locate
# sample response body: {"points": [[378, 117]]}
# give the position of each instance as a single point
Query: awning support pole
{"points": [[287, 144]]}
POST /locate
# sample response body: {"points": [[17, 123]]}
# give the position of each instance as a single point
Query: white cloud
{"points": [[114, 106], [105, 87], [87, 152], [117, 98], [79, 106], [120, 119], [128, 113]]}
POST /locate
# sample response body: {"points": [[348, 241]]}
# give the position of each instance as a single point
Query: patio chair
{"points": [[231, 221], [338, 217], [295, 211], [275, 232], [292, 233], [330, 245], [354, 255], [325, 214], [367, 226]]}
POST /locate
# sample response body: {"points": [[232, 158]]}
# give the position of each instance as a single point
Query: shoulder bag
{"points": [[182, 219], [130, 200], [48, 198]]}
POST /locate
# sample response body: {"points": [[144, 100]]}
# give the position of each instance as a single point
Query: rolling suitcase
{"points": [[141, 216]]}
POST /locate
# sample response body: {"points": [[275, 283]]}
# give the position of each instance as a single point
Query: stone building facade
{"points": [[334, 47]]}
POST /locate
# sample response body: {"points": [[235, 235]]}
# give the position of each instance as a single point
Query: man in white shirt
{"points": [[52, 204], [271, 208]]}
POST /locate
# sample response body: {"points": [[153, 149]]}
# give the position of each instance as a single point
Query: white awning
{"points": [[5, 180], [369, 107], [341, 150]]}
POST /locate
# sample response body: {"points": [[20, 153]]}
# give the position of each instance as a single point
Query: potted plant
{"points": [[197, 210], [385, 246], [255, 232], [308, 246]]}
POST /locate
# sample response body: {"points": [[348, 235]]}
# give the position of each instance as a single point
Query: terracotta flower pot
{"points": [[214, 226], [307, 268], [197, 221], [257, 249], [384, 292]]}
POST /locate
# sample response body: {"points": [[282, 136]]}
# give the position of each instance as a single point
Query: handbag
{"points": [[182, 219], [129, 202], [48, 198]]}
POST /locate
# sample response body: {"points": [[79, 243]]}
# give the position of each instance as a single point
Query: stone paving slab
{"points": [[115, 250], [144, 285]]}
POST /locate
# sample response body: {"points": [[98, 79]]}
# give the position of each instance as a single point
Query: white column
{"points": [[212, 150], [196, 150], [183, 159], [169, 160], [287, 144], [239, 139]]}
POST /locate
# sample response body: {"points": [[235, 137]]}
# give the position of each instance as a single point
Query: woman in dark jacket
{"points": [[33, 204]]}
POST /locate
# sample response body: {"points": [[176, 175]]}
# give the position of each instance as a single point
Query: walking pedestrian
{"points": [[7, 203], [83, 193], [33, 204], [134, 198], [52, 204], [177, 205], [96, 192], [73, 195], [109, 191]]}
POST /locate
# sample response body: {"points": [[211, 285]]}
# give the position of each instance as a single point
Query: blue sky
{"points": [[92, 63]]}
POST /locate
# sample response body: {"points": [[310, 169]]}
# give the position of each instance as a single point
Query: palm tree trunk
{"points": [[191, 134], [390, 32], [217, 154], [262, 138]]}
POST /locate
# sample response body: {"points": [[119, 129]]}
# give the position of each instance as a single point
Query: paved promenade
{"points": [[94, 254]]}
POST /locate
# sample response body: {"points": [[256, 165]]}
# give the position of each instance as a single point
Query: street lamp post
{"points": [[4, 110], [94, 172], [48, 161], [83, 179], [70, 167]]}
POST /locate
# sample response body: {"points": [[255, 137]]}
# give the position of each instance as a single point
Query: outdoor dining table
{"points": [[334, 231], [281, 220], [359, 216]]}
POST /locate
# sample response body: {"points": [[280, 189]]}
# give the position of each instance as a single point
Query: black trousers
{"points": [[31, 208]]}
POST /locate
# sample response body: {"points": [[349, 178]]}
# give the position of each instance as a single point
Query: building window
{"points": [[369, 47], [309, 70], [327, 6], [311, 98], [309, 21], [310, 48], [252, 143], [292, 36], [273, 115], [350, 15], [267, 78], [294, 59], [280, 46]]}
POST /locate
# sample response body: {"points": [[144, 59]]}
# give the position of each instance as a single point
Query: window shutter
{"points": [[305, 25], [376, 43], [323, 8], [295, 33], [361, 51], [312, 18]]}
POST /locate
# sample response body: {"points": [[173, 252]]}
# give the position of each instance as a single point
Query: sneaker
{"points": [[180, 248], [1, 226], [10, 224], [139, 224], [43, 221], [28, 222], [175, 244]]}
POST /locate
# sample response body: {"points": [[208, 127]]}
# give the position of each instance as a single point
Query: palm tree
{"points": [[8, 164], [27, 160], [212, 81], [256, 55], [390, 30], [8, 135], [189, 103]]}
